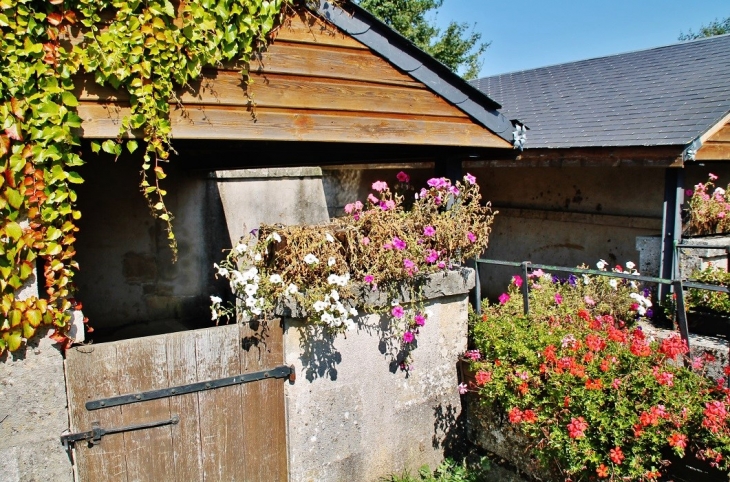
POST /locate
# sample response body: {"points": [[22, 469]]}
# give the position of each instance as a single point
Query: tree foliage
{"points": [[458, 46], [716, 27]]}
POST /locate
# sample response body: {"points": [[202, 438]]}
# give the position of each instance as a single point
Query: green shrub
{"points": [[597, 397]]}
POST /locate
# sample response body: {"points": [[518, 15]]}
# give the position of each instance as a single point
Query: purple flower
{"points": [[649, 313], [397, 311], [399, 244], [503, 298], [462, 388], [403, 177], [408, 337], [471, 237], [646, 292], [688, 192], [432, 256], [429, 230], [419, 319], [380, 186], [470, 179], [555, 279], [572, 280], [369, 278]]}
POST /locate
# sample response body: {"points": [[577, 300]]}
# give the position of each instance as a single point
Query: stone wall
{"points": [[353, 415]]}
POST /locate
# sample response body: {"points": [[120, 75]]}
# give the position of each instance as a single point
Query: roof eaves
{"points": [[401, 52]]}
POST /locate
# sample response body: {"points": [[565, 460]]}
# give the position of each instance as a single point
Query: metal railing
{"points": [[526, 267]]}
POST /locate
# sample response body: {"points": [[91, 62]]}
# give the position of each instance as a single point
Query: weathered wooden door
{"points": [[231, 433]]}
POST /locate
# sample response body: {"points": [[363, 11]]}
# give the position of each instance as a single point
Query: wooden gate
{"points": [[232, 433]]}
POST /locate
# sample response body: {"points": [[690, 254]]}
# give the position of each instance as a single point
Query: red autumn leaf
{"points": [[13, 133], [15, 108], [55, 18], [70, 16], [4, 145]]}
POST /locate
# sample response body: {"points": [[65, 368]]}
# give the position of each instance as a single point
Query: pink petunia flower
{"points": [[365, 240], [437, 182], [380, 186], [397, 311], [408, 337], [349, 208], [462, 388], [442, 265], [471, 237], [432, 256], [410, 266], [358, 205], [369, 278], [419, 319], [403, 177], [713, 177], [372, 198], [503, 298], [558, 298], [517, 280], [470, 179], [429, 230], [399, 244]]}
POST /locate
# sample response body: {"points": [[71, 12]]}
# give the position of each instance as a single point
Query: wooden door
{"points": [[231, 433]]}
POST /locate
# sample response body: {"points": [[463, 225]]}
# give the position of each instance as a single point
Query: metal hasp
{"points": [[278, 372], [94, 435]]}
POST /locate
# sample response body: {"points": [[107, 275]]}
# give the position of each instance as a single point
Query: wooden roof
{"points": [[314, 83]]}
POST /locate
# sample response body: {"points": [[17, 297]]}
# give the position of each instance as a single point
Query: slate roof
{"points": [[662, 96]]}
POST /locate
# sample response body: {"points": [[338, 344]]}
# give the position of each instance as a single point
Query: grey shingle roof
{"points": [[662, 96]]}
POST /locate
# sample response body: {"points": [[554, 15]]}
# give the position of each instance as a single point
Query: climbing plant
{"points": [[145, 49]]}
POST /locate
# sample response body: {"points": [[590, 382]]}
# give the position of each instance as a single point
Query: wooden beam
{"points": [[660, 156], [225, 88], [714, 151], [304, 27], [221, 122]]}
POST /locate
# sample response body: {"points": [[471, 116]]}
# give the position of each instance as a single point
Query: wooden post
{"points": [[448, 168], [671, 226]]}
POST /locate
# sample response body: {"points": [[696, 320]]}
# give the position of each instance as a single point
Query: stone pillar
{"points": [[354, 415], [33, 409]]}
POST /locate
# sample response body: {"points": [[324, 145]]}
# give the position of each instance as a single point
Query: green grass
{"points": [[449, 471]]}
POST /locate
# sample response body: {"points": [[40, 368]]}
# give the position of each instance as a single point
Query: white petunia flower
{"points": [[331, 261], [329, 238], [333, 279], [256, 311], [240, 248], [601, 264], [275, 236], [320, 305], [257, 257], [311, 259], [630, 265], [586, 279], [275, 278], [335, 295], [353, 312], [251, 289], [221, 271], [215, 299], [328, 318], [613, 283], [292, 289]]}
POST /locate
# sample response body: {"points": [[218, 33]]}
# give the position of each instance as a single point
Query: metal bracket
{"points": [[278, 372], [93, 436]]}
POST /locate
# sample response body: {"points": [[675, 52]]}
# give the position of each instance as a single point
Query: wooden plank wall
{"points": [[235, 433], [717, 146], [312, 84]]}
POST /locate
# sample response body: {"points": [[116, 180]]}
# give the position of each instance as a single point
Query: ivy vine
{"points": [[145, 48]]}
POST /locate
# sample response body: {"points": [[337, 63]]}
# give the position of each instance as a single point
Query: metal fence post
{"points": [[477, 288], [681, 312], [525, 287]]}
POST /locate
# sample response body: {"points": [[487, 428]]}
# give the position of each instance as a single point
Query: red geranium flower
{"points": [[602, 471], [483, 377], [577, 427], [616, 455], [677, 440]]}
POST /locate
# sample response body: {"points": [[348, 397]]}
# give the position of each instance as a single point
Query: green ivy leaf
{"points": [[109, 146], [95, 147], [131, 146], [75, 178], [14, 230]]}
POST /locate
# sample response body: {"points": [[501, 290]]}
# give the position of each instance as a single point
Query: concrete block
{"points": [[650, 249], [33, 413], [353, 415]]}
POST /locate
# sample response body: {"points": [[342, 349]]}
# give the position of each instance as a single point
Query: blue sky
{"points": [[534, 33]]}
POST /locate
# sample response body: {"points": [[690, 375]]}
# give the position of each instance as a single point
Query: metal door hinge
{"points": [[278, 372], [94, 435]]}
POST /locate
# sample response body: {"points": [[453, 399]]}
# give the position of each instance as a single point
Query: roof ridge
{"points": [[599, 57]]}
